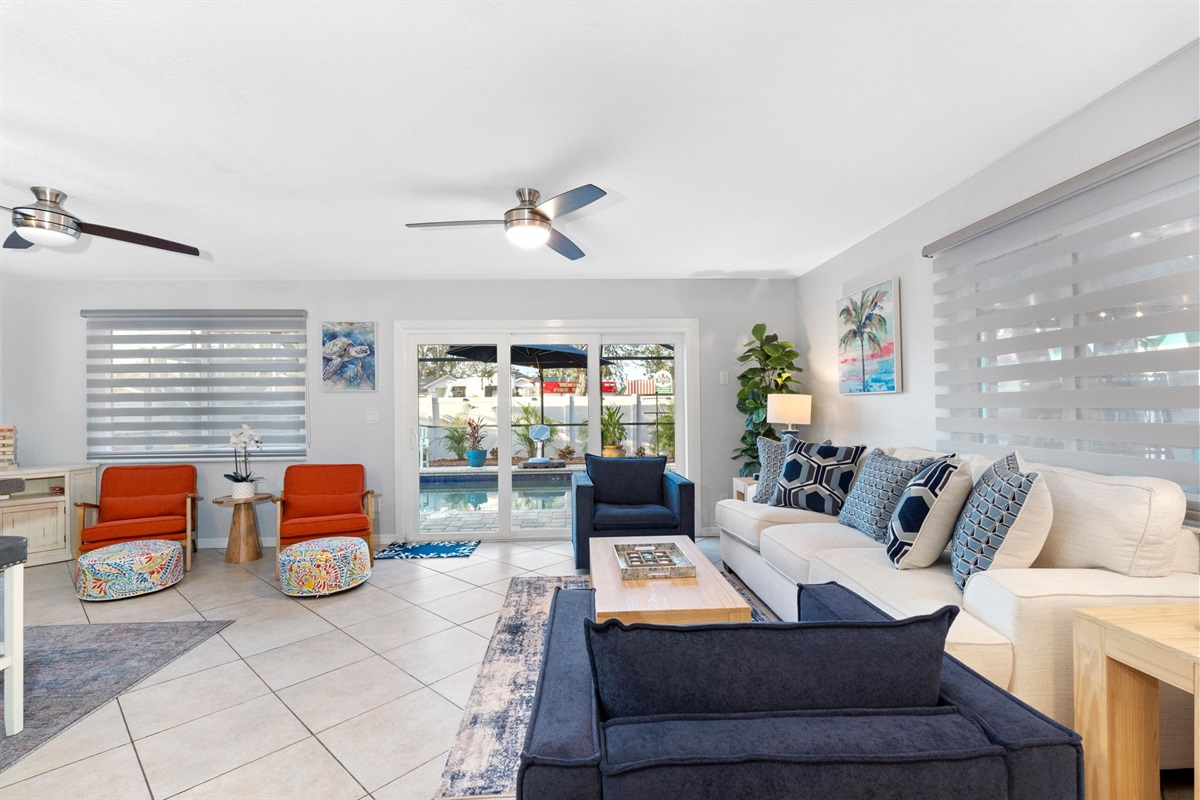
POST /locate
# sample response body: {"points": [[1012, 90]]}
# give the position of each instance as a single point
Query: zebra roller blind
{"points": [[174, 384], [1069, 331]]}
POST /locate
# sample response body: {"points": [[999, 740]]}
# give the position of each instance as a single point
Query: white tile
{"points": [[174, 702], [501, 587], [434, 657], [537, 544], [466, 606], [565, 568], [457, 687], [160, 606], [399, 627], [452, 564], [260, 608], [534, 559], [498, 550], [485, 626], [202, 749], [566, 549], [250, 638], [489, 571], [300, 661], [212, 652], [357, 605], [299, 771], [51, 606], [332, 698], [395, 571], [419, 784], [430, 588], [207, 590], [387, 742], [112, 774], [103, 729]]}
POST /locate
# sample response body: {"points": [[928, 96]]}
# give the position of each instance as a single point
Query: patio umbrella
{"points": [[540, 356]]}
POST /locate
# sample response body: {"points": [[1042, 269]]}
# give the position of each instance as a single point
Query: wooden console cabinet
{"points": [[40, 515]]}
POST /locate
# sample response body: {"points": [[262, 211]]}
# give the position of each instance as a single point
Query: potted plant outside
{"points": [[612, 432], [476, 452]]}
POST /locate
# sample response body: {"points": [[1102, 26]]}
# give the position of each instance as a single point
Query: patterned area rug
{"points": [[428, 550], [72, 670], [484, 759]]}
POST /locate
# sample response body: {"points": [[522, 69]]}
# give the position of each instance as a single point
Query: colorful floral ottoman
{"points": [[324, 566], [128, 569]]}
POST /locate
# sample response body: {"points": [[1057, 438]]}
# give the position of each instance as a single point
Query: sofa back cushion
{"points": [[1120, 523], [817, 476], [872, 499], [627, 481], [733, 668]]}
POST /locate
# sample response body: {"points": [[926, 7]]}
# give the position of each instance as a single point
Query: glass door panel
{"points": [[639, 399]]}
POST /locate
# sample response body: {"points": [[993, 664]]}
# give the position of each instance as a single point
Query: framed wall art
{"points": [[348, 356], [869, 340]]}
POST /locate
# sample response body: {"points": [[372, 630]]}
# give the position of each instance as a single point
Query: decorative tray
{"points": [[653, 560]]}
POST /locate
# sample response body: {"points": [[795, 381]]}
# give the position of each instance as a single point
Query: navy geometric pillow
{"points": [[817, 476], [771, 455], [880, 483], [925, 514]]}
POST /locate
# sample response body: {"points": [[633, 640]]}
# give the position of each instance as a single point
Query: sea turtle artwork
{"points": [[348, 355]]}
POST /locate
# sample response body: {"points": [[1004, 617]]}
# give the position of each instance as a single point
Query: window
{"points": [[1070, 330], [173, 384]]}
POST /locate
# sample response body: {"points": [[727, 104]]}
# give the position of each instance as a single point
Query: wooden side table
{"points": [[244, 544], [740, 485], [1121, 653]]}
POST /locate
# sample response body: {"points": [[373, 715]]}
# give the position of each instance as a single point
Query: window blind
{"points": [[171, 384], [1071, 331]]}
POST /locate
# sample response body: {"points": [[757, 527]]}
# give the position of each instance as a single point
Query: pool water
{"points": [[538, 492]]}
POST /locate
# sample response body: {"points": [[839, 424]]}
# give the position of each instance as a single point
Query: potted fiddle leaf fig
{"points": [[771, 370], [476, 452]]}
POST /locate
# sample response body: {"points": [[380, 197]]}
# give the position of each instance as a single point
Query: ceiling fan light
{"points": [[54, 236], [528, 232]]}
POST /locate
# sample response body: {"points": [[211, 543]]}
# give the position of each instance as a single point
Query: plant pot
{"points": [[613, 451], [243, 489], [476, 458]]}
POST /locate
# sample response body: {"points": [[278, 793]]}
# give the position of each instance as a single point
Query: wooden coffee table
{"points": [[708, 597]]}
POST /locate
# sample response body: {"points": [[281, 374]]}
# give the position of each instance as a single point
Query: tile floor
{"points": [[339, 698]]}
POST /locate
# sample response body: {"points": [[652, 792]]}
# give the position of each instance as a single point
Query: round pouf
{"points": [[128, 569], [324, 566]]}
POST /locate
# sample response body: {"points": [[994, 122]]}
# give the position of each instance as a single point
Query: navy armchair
{"points": [[629, 497]]}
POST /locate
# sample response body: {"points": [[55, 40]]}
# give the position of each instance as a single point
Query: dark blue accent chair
{"points": [[629, 497]]}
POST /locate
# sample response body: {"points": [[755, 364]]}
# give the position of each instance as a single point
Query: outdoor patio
{"points": [[481, 521]]}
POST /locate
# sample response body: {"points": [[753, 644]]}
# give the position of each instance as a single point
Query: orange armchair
{"points": [[324, 500], [150, 502]]}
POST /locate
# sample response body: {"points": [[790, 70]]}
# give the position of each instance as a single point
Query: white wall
{"points": [[1152, 104], [42, 357]]}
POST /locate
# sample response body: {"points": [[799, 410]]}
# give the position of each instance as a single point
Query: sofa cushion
{"points": [[871, 501], [789, 548], [1125, 524], [746, 521], [627, 481], [869, 573], [1004, 522], [611, 517], [645, 669], [923, 522], [817, 476]]}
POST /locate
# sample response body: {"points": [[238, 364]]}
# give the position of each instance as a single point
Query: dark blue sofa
{"points": [[629, 497], [978, 741]]}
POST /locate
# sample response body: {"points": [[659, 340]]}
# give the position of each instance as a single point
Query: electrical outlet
{"points": [[724, 378], [371, 418]]}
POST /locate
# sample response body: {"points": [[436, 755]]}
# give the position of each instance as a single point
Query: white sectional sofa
{"points": [[1113, 541]]}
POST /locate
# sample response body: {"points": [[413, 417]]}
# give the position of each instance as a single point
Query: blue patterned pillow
{"points": [[817, 476], [1004, 523], [880, 483], [770, 458], [924, 519]]}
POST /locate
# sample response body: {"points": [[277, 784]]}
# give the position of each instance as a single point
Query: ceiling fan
{"points": [[529, 224], [47, 223]]}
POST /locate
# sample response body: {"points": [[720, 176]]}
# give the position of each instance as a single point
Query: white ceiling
{"points": [[293, 140]]}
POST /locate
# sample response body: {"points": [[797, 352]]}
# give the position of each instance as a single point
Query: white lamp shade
{"points": [[789, 409]]}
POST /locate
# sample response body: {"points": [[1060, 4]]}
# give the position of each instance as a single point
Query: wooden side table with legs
{"points": [[244, 543]]}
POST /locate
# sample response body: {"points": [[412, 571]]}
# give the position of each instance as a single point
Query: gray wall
{"points": [[1158, 101], [42, 357]]}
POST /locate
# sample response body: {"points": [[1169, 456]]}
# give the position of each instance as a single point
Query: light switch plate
{"points": [[371, 417]]}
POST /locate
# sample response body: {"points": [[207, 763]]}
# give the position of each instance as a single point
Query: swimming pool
{"points": [[467, 492]]}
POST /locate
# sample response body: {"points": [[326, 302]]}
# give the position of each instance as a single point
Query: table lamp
{"points": [[791, 410]]}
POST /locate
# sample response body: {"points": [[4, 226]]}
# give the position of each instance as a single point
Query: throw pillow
{"points": [[1004, 523], [771, 455], [923, 521], [640, 670], [627, 481], [872, 499], [817, 476]]}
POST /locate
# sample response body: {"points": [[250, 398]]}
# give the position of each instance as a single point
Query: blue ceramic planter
{"points": [[476, 458]]}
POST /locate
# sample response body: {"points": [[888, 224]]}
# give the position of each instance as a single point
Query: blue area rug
{"points": [[428, 550]]}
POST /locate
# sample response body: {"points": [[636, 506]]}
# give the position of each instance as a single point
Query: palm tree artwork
{"points": [[866, 328]]}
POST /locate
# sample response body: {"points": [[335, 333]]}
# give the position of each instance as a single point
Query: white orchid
{"points": [[241, 441]]}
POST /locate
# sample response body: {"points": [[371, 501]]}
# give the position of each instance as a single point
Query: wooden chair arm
{"points": [[194, 496], [87, 505]]}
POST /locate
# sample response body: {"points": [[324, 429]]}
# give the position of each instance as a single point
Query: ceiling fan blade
{"points": [[15, 242], [137, 238], [563, 246], [570, 201], [455, 224]]}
